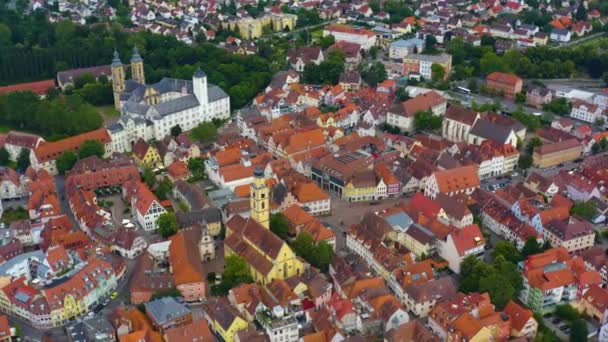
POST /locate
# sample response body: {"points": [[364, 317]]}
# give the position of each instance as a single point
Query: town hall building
{"points": [[150, 111]]}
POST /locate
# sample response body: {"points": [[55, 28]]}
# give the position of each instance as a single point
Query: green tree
{"points": [[66, 161], [402, 94], [176, 130], [163, 189], [4, 157], [167, 224], [585, 210], [429, 44], [532, 144], [205, 132], [567, 313], [427, 121], [525, 161], [581, 12], [374, 74], [328, 71], [472, 84], [84, 79], [279, 224], [149, 177], [507, 250], [327, 41], [600, 122], [579, 331], [531, 247], [373, 52], [91, 148], [437, 72], [520, 97], [319, 255], [5, 36], [23, 159], [558, 106], [236, 272], [196, 166]]}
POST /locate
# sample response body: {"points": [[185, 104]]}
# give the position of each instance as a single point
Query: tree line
{"points": [[54, 117], [38, 49], [535, 62]]}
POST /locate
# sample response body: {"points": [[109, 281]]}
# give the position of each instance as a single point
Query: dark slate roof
{"points": [[166, 309], [491, 131], [203, 216]]}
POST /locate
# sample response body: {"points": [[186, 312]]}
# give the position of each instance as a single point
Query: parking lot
{"points": [[562, 327]]}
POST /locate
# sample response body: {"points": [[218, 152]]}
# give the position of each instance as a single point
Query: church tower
{"points": [[199, 87], [118, 79], [260, 204], [137, 67]]}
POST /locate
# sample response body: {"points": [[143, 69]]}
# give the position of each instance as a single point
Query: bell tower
{"points": [[118, 79], [260, 204], [137, 67]]}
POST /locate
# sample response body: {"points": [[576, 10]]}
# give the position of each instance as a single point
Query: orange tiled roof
{"points": [[519, 315], [51, 150], [456, 179], [350, 30], [297, 216], [178, 170], [309, 192], [184, 258], [501, 77]]}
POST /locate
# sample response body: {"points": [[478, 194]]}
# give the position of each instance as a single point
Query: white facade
{"points": [[352, 36], [151, 111], [586, 112], [147, 220], [402, 122], [10, 190], [449, 252]]}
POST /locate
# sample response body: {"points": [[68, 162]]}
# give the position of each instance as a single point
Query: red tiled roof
{"points": [[51, 150], [501, 77], [467, 238], [39, 87], [349, 30]]}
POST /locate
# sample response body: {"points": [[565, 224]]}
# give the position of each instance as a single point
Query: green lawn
{"points": [[108, 111], [5, 128]]}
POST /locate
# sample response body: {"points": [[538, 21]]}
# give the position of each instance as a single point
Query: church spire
{"points": [[137, 67], [260, 204], [118, 78]]}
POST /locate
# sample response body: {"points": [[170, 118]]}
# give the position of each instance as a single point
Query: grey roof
{"points": [[199, 73], [91, 329], [39, 255], [560, 32], [116, 59], [279, 192], [166, 309], [401, 220], [489, 130], [215, 93], [438, 289], [408, 43], [134, 94], [209, 215]]}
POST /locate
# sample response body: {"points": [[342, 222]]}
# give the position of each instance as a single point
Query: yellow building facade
{"points": [[252, 28], [259, 200], [353, 194], [267, 256], [227, 335], [150, 158]]}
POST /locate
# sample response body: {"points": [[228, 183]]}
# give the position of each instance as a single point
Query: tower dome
{"points": [[116, 59], [136, 57]]}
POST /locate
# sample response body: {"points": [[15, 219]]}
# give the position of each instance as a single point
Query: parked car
{"points": [[556, 321]]}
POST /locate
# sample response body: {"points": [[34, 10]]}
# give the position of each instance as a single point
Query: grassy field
{"points": [[108, 111]]}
